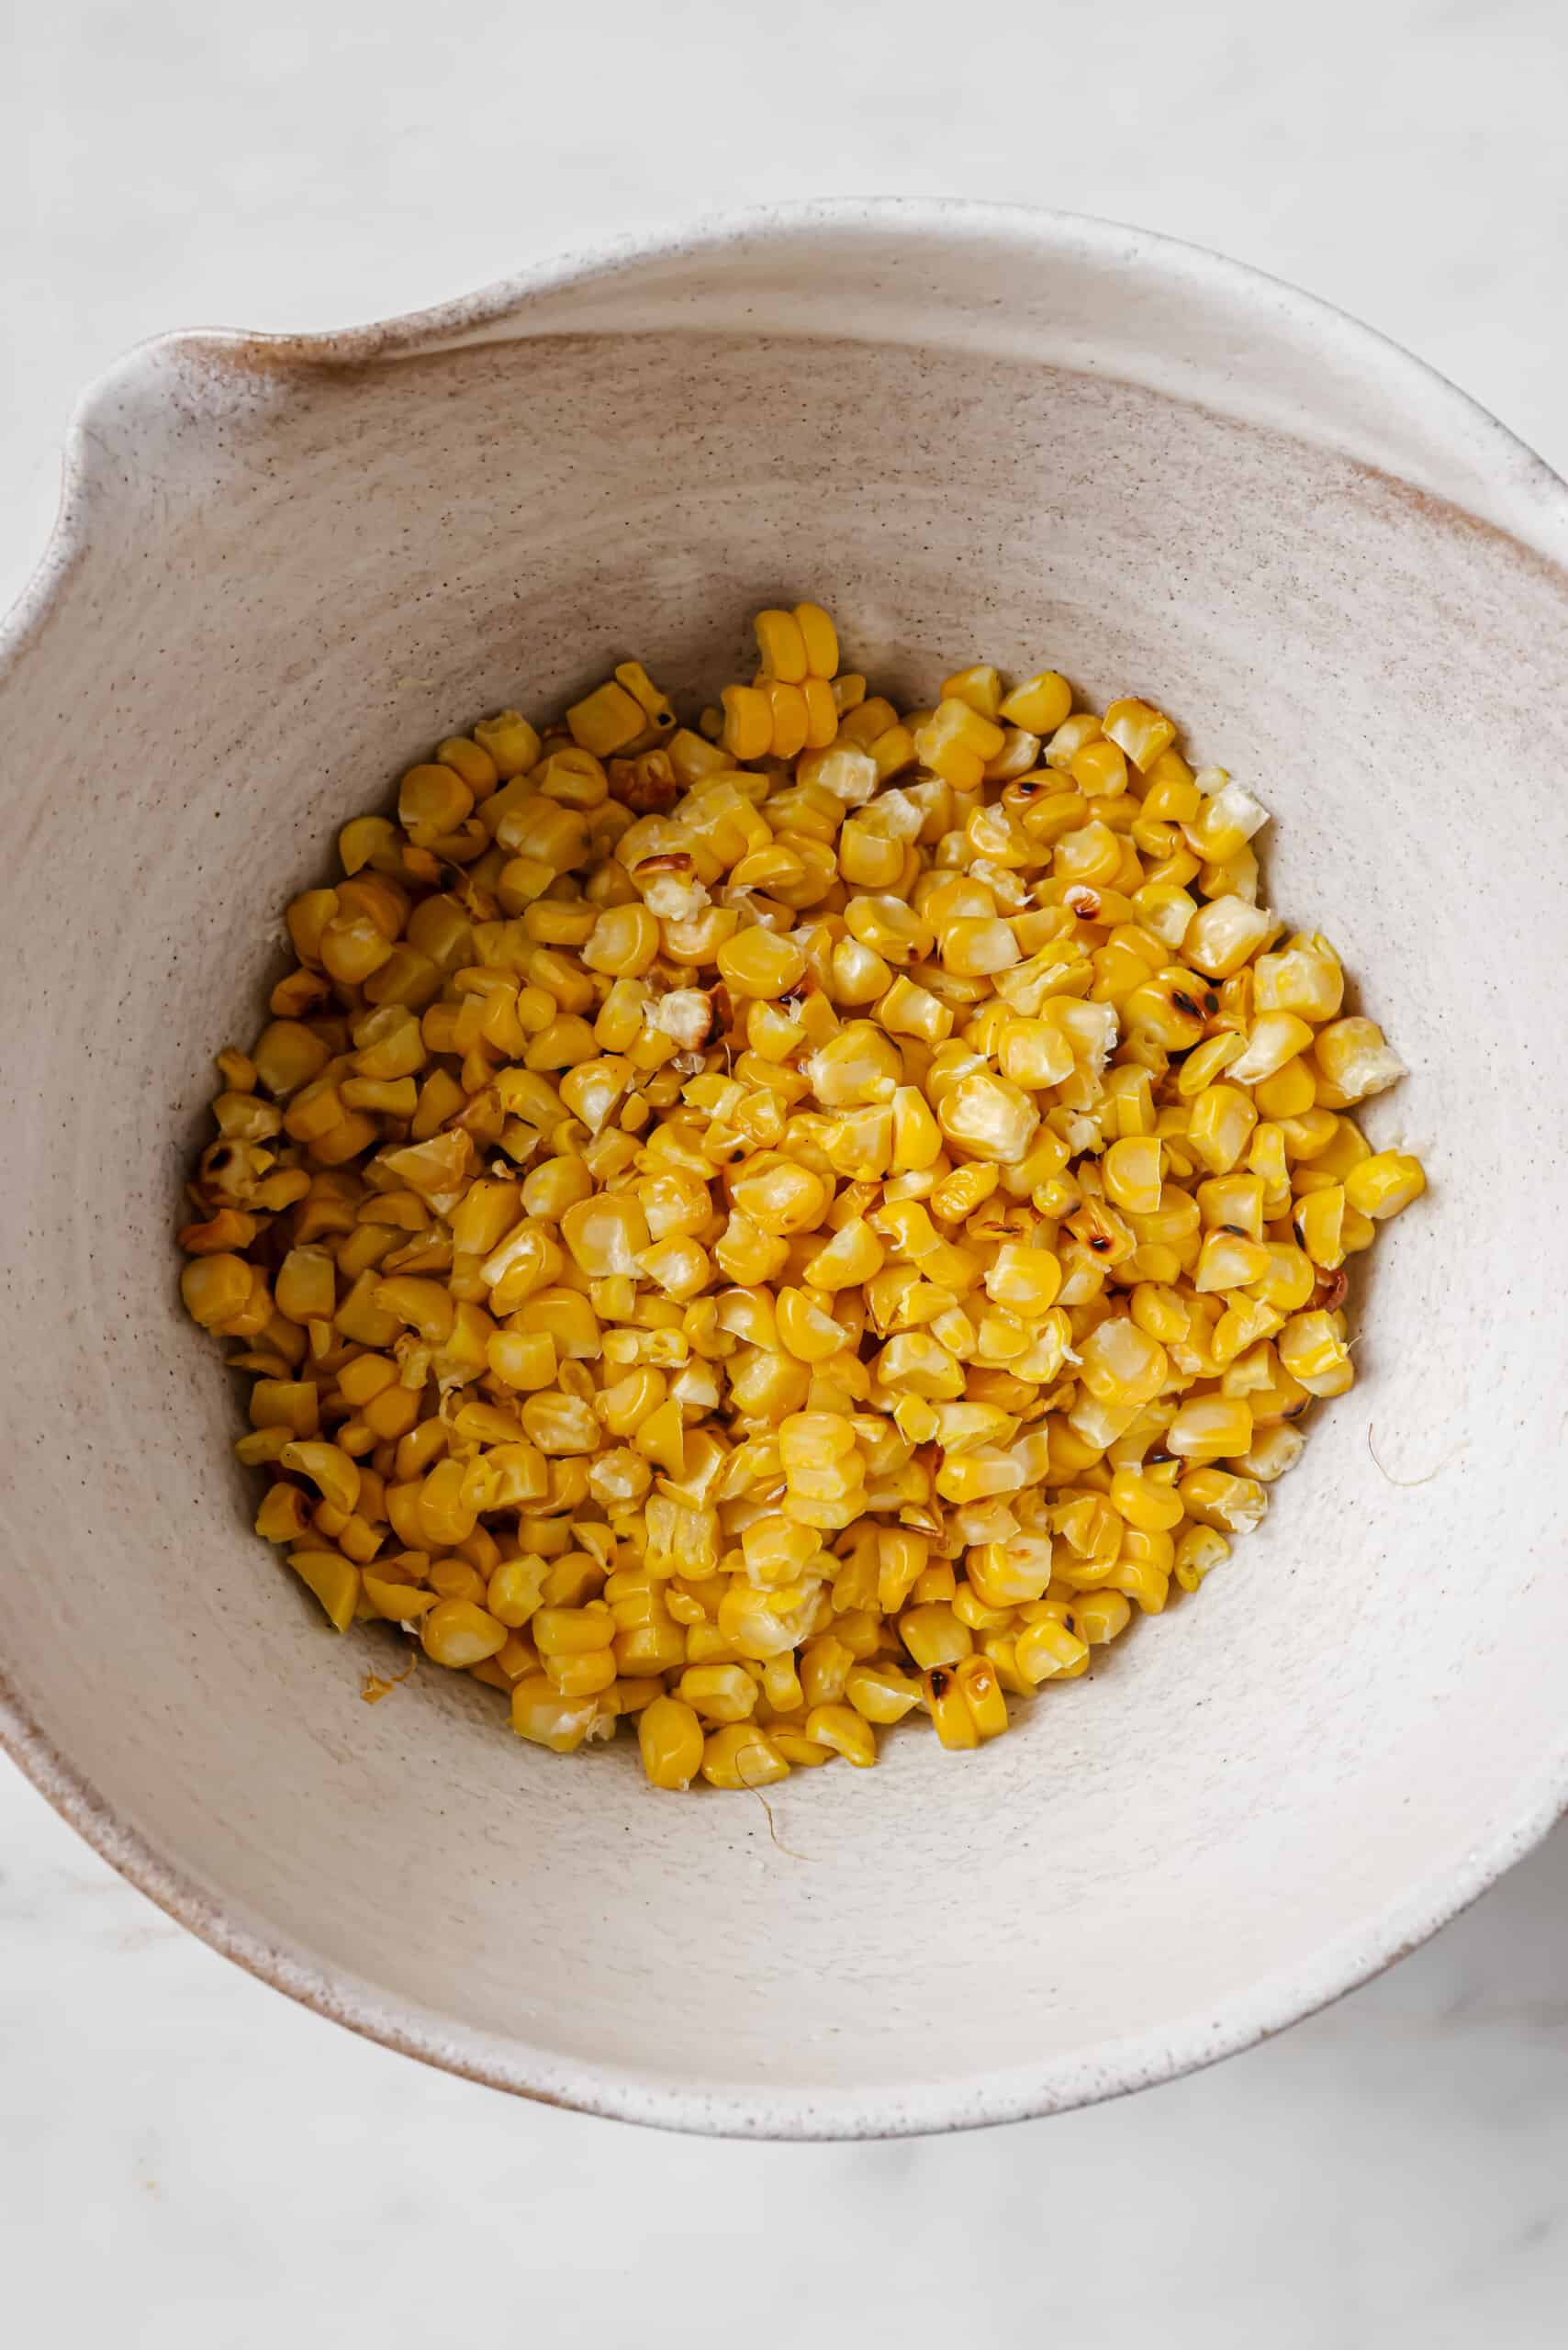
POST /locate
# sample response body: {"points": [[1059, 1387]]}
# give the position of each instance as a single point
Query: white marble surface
{"points": [[185, 2158]]}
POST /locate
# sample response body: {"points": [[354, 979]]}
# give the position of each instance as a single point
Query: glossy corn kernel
{"points": [[670, 1736], [742, 1755], [456, 1633], [1384, 1184]]}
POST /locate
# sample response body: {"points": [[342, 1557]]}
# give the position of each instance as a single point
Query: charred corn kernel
{"points": [[950, 1711], [1384, 1185], [1169, 1010]]}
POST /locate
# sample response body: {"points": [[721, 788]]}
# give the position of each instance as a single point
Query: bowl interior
{"points": [[1249, 1801]]}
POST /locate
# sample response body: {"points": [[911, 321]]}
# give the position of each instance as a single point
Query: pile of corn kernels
{"points": [[772, 1228]]}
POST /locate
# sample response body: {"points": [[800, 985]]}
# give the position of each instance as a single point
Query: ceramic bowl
{"points": [[285, 567]]}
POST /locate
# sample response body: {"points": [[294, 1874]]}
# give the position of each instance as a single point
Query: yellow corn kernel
{"points": [[511, 743], [1143, 733], [739, 1754], [1122, 1364], [1100, 1616], [282, 1516], [950, 1711], [777, 1551], [515, 1591], [457, 1633], [845, 1731], [1313, 1351], [1152, 1506], [934, 1636], [1219, 1499], [819, 639], [1132, 1169], [215, 1289], [1381, 1185], [1211, 1427], [1041, 703], [334, 1580], [1046, 1648], [781, 646], [432, 801], [720, 1693], [1354, 1061], [1219, 1125], [582, 1672], [917, 1138], [982, 1692], [1198, 1551], [881, 1692], [606, 721], [335, 1477], [540, 1714], [669, 1738], [779, 1197]]}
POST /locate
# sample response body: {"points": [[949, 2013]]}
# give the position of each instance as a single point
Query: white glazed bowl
{"points": [[284, 569]]}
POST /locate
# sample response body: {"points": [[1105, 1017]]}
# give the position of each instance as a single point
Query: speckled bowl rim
{"points": [[1145, 2059]]}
